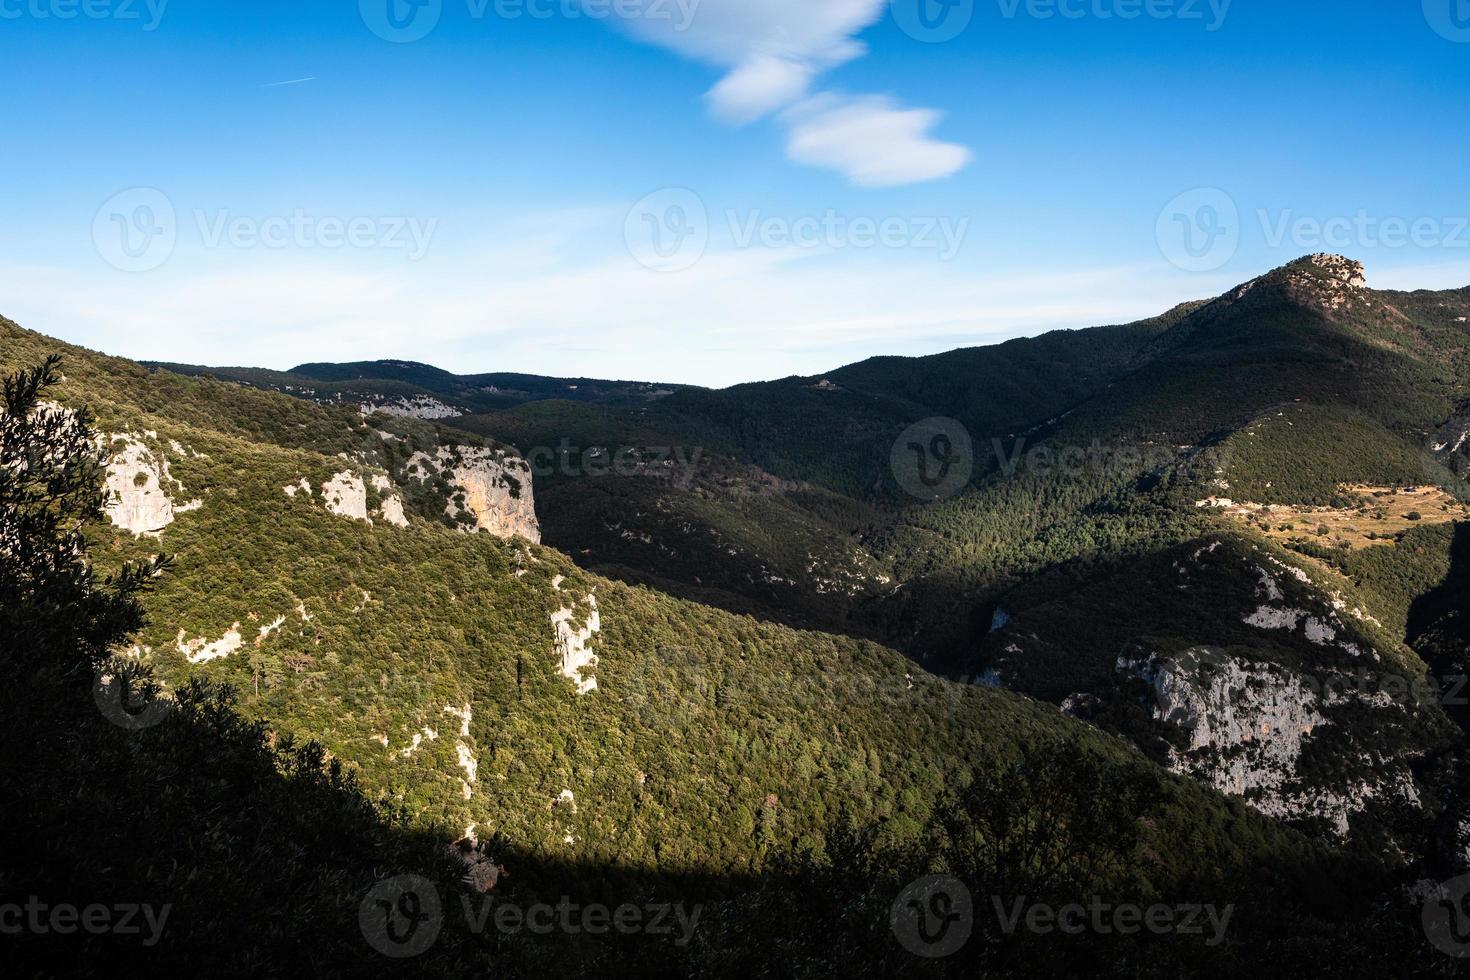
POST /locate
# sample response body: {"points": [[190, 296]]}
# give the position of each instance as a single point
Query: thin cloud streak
{"points": [[786, 312]]}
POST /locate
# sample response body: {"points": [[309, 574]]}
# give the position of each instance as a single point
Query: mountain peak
{"points": [[1324, 281], [1331, 284], [1338, 268]]}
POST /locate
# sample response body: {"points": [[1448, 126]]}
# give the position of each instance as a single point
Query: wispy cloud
{"points": [[289, 81], [873, 140], [773, 51], [759, 312]]}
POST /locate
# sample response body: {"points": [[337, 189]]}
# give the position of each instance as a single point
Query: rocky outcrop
{"points": [[1246, 726], [346, 496], [1327, 282], [1282, 691], [566, 806], [491, 489], [390, 505], [136, 499], [574, 645], [471, 767], [392, 511], [464, 754], [1337, 268], [1275, 613], [417, 407], [201, 651]]}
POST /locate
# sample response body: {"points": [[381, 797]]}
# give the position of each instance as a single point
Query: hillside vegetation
{"points": [[745, 666]]}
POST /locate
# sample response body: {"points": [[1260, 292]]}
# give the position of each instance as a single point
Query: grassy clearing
{"points": [[1374, 516]]}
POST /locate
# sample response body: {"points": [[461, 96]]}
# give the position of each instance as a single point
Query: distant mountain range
{"points": [[400, 385]]}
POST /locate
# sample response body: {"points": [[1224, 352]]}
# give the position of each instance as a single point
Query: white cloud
{"points": [[873, 141], [756, 39], [772, 51], [759, 86]]}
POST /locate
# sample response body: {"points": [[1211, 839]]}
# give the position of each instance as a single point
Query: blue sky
{"points": [[705, 191]]}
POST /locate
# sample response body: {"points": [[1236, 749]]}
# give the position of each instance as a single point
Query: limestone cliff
{"points": [[574, 644], [491, 489], [136, 497], [417, 407], [1247, 726]]}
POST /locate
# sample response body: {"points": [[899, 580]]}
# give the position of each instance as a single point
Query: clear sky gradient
{"points": [[703, 191]]}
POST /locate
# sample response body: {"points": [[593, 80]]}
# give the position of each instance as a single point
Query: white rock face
{"points": [[269, 628], [493, 486], [417, 407], [465, 755], [471, 768], [391, 507], [465, 716], [1267, 618], [1332, 283], [202, 651], [418, 740], [575, 645], [136, 500], [346, 496], [1321, 630], [1346, 271], [392, 511], [1247, 724]]}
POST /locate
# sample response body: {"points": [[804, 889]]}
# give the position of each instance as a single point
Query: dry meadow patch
{"points": [[1377, 516]]}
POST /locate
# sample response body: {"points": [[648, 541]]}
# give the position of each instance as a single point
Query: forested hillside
{"points": [[1172, 630]]}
